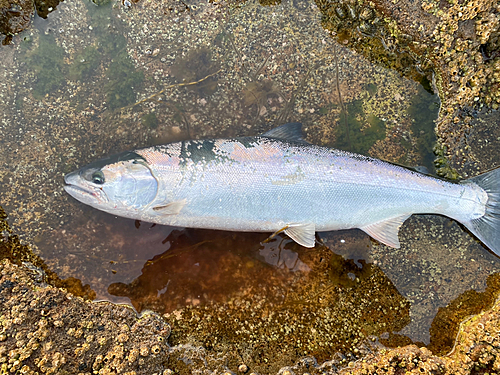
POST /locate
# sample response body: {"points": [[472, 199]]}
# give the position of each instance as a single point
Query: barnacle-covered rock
{"points": [[455, 45], [45, 329]]}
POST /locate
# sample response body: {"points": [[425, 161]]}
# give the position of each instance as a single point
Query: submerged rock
{"points": [[15, 16], [454, 45]]}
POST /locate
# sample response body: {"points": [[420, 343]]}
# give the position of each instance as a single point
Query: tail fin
{"points": [[487, 228]]}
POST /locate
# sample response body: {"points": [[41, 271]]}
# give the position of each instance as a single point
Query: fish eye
{"points": [[98, 178]]}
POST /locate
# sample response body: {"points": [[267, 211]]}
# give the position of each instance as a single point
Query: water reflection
{"points": [[200, 267], [276, 254], [101, 249], [228, 282]]}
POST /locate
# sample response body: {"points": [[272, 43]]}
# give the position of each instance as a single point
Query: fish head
{"points": [[121, 184]]}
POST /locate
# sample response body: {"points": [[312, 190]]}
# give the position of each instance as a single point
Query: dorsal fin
{"points": [[290, 132]]}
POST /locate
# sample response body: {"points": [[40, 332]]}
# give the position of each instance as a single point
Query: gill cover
{"points": [[115, 184]]}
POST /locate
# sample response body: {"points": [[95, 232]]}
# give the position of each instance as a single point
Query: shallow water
{"points": [[91, 81]]}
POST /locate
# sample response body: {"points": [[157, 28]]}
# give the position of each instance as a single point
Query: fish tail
{"points": [[487, 227]]}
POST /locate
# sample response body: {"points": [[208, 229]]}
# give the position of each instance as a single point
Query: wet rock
{"points": [[476, 139], [12, 249], [15, 16], [475, 351], [44, 7], [48, 330], [445, 325], [45, 329], [365, 27]]}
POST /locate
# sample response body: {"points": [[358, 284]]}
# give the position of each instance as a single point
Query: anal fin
{"points": [[386, 231], [302, 233]]}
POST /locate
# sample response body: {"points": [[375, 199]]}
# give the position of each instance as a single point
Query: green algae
{"points": [[371, 88], [359, 132], [123, 78], [424, 110], [85, 64], [110, 51], [47, 61], [150, 120], [442, 164]]}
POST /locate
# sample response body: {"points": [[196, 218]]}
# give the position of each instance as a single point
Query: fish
{"points": [[277, 182]]}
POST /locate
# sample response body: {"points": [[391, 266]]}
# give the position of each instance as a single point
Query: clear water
{"points": [[91, 81]]}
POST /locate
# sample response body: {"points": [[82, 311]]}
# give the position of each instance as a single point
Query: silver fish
{"points": [[277, 182]]}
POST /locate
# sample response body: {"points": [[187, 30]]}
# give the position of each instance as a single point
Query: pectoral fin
{"points": [[172, 208], [386, 231], [302, 233]]}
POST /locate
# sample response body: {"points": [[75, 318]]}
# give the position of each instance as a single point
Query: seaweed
{"points": [[424, 110], [47, 61], [361, 137], [150, 120]]}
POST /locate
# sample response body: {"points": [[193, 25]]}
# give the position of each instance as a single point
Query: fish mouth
{"points": [[85, 195], [76, 190]]}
